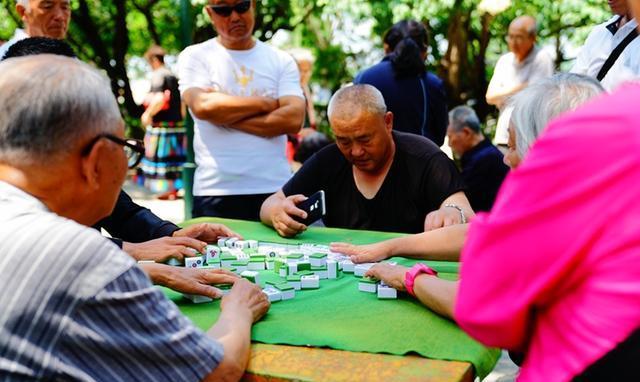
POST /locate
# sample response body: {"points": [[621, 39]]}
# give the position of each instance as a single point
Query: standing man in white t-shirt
{"points": [[244, 97], [602, 40], [525, 64]]}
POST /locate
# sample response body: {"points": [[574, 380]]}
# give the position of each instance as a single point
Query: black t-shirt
{"points": [[419, 180], [161, 81]]}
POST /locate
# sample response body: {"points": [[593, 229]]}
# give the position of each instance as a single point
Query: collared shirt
{"points": [[553, 270], [18, 35], [602, 40], [509, 73], [75, 307], [483, 171]]}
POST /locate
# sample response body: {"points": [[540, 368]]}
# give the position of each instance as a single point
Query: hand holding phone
{"points": [[315, 208]]}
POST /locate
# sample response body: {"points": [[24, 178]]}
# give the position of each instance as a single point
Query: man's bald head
{"points": [[522, 36], [50, 103], [362, 127], [350, 101], [526, 24]]}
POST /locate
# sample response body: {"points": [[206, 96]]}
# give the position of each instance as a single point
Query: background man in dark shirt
{"points": [[483, 169], [373, 178]]}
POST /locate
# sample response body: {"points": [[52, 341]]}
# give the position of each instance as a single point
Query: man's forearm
{"points": [[499, 96], [284, 120], [233, 331], [223, 109], [266, 210]]}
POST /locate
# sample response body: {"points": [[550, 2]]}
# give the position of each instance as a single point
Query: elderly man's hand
{"points": [[190, 280], [162, 249], [246, 300], [443, 217], [370, 253], [283, 221], [392, 275], [208, 232]]}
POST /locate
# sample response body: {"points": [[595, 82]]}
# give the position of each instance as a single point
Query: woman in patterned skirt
{"points": [[165, 139]]}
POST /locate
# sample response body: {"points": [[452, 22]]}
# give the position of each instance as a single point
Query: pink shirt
{"points": [[554, 269]]}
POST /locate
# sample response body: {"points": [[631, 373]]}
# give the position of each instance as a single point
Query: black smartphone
{"points": [[314, 206]]}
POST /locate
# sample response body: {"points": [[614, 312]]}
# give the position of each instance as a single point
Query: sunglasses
{"points": [[226, 10], [133, 148]]}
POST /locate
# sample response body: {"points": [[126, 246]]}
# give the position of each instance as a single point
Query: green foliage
{"points": [[109, 32]]}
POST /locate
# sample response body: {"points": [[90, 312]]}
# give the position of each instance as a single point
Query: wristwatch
{"points": [[413, 272]]}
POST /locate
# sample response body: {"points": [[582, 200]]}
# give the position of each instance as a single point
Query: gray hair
{"points": [[535, 106], [50, 103], [351, 100], [464, 116]]}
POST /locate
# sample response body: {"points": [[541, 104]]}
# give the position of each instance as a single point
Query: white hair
{"points": [[50, 103], [535, 106], [351, 100]]}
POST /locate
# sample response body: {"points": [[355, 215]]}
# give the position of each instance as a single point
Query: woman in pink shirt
{"points": [[553, 270]]}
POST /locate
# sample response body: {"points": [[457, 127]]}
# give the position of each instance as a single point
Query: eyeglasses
{"points": [[226, 10], [133, 148]]}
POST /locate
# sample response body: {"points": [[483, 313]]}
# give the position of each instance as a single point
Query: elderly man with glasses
{"points": [[135, 229], [245, 97], [524, 65], [75, 307]]}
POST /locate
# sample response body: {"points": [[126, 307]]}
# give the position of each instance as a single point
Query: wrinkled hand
{"points": [[370, 253], [246, 300], [193, 280], [162, 249], [282, 220], [443, 217], [392, 275], [208, 232]]}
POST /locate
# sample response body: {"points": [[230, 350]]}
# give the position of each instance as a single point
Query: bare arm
{"points": [[243, 306], [436, 294], [155, 105], [223, 109], [446, 216], [443, 244], [286, 119], [498, 95]]}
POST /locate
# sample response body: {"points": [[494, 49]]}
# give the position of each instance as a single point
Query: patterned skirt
{"points": [[165, 153]]}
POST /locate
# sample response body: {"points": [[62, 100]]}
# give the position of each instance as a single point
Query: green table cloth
{"points": [[339, 316]]}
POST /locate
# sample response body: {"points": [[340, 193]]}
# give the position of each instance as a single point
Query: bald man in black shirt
{"points": [[373, 178]]}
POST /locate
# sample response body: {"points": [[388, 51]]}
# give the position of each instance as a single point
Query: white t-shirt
{"points": [[509, 73], [18, 35], [602, 40], [232, 162]]}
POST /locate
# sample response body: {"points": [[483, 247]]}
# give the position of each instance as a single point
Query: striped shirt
{"points": [[75, 307]]}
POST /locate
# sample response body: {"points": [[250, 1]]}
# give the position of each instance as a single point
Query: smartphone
{"points": [[315, 208]]}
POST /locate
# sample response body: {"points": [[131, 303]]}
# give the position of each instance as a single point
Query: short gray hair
{"points": [[351, 100], [535, 106], [50, 103], [464, 116]]}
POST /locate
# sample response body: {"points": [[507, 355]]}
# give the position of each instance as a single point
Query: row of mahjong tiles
{"points": [[299, 266]]}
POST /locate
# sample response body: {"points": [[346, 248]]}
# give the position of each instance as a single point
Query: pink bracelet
{"points": [[412, 273]]}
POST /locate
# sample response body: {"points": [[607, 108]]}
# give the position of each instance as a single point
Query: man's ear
{"points": [[388, 121], [21, 10], [90, 167]]}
